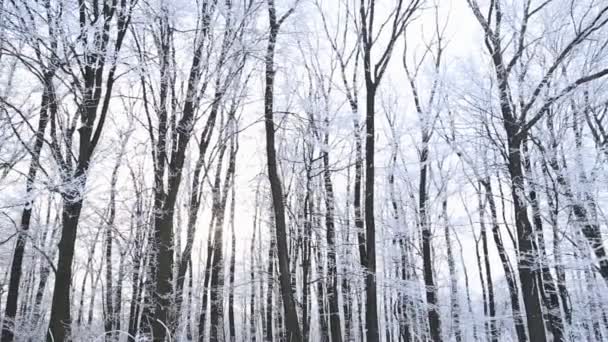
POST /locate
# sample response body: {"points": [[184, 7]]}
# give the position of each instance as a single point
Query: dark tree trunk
{"points": [[306, 253], [489, 282], [506, 265], [515, 129], [112, 307], [164, 308], [427, 258], [467, 287], [217, 266], [545, 278], [60, 320], [270, 293], [347, 302], [59, 326], [217, 212], [10, 311], [332, 291], [44, 276], [231, 322], [527, 254], [552, 202], [253, 313], [483, 286], [293, 332], [139, 260], [371, 302], [321, 307]]}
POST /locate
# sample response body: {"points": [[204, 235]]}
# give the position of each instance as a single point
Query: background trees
{"points": [[251, 170]]}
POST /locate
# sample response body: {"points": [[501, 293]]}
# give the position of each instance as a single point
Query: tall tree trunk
{"points": [[212, 246], [427, 258], [402, 272], [527, 255], [484, 294], [111, 305], [10, 311], [269, 332], [60, 320], [347, 303], [164, 307], [253, 313], [332, 291], [454, 296], [321, 293], [45, 267], [506, 265], [552, 202], [139, 260], [308, 212], [467, 287], [488, 269], [293, 332], [545, 278], [217, 266], [231, 322]]}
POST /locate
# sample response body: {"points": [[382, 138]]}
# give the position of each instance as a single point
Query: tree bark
{"points": [[454, 296], [60, 320], [47, 104], [490, 283], [506, 265], [332, 292], [293, 332], [429, 281]]}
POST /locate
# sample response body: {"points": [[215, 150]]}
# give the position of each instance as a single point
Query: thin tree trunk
{"points": [[484, 294], [489, 282], [332, 292], [217, 212], [231, 322], [217, 277], [10, 310], [321, 309], [454, 296], [111, 307], [270, 293], [548, 289], [506, 264], [429, 281], [552, 202], [308, 212]]}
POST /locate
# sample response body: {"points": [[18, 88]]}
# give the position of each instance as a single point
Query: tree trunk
{"points": [[59, 326], [269, 333], [60, 320], [454, 296], [10, 311], [548, 289], [429, 281], [490, 283], [371, 303], [217, 277], [231, 322], [527, 255], [332, 291], [293, 332], [506, 265]]}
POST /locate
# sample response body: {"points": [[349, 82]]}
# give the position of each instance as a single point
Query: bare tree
{"points": [[400, 16], [294, 332]]}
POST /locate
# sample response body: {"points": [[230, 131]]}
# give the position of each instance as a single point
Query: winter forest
{"points": [[303, 170]]}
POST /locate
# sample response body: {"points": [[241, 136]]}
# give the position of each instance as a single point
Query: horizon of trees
{"points": [[303, 170]]}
